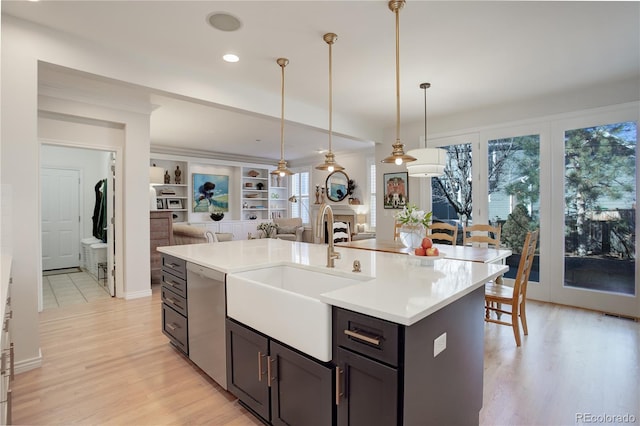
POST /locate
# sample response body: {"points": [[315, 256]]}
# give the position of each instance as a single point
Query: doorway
{"points": [[77, 192]]}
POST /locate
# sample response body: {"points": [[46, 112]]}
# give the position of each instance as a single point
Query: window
{"points": [[600, 208], [514, 194], [452, 192], [300, 189], [372, 197]]}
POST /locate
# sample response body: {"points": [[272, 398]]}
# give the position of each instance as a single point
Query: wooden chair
{"points": [[440, 231], [396, 230], [341, 232], [499, 297], [481, 235]]}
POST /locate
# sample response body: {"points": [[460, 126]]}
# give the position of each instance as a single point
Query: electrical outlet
{"points": [[439, 344]]}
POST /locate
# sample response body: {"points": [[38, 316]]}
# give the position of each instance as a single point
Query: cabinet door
{"points": [[247, 367], [301, 389], [369, 391]]}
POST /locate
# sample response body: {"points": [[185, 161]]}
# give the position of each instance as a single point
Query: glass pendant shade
{"points": [[330, 164], [282, 164]]}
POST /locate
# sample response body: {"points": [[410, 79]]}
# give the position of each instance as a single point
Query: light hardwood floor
{"points": [[107, 362]]}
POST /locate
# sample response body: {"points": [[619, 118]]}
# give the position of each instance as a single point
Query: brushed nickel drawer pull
{"points": [[170, 300], [270, 376], [260, 371], [172, 265], [172, 326], [171, 283], [338, 386], [362, 337]]}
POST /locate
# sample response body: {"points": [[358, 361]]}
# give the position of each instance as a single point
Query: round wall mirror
{"points": [[337, 186]]}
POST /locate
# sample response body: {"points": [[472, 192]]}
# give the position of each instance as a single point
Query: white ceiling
{"points": [[476, 55]]}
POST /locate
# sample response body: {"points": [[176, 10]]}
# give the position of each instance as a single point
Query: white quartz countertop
{"points": [[394, 287]]}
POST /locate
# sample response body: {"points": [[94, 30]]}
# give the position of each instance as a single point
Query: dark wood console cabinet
{"points": [[161, 234]]}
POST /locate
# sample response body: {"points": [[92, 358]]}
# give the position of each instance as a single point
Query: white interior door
{"points": [[60, 218]]}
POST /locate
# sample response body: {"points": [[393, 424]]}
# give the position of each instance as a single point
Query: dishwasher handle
{"points": [[205, 272]]}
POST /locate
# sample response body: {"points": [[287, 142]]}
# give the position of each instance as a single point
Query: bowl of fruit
{"points": [[426, 254]]}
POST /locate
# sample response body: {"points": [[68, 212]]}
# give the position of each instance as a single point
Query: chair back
{"points": [[396, 230], [443, 232], [341, 232], [524, 267], [481, 235]]}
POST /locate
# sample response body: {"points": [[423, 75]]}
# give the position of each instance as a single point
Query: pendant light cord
{"points": [[282, 115], [330, 96], [425, 115], [397, 12]]}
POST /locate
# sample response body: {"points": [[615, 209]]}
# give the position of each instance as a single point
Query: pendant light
{"points": [[397, 155], [430, 162], [330, 164], [282, 164]]}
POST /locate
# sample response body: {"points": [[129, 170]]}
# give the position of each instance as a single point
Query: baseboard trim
{"points": [[137, 294], [29, 364]]}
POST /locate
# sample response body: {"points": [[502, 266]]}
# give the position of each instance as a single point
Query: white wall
{"points": [[22, 47]]}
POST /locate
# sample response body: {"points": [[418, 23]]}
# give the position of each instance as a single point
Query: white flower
{"points": [[410, 215]]}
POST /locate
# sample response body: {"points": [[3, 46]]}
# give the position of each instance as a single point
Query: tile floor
{"points": [[71, 289]]}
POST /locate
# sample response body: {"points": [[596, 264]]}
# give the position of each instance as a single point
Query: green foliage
{"points": [[516, 227], [598, 166]]}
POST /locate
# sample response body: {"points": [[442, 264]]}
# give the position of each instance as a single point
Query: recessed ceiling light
{"points": [[224, 21], [230, 57]]}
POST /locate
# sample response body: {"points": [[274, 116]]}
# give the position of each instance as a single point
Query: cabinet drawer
{"points": [[177, 267], [173, 300], [373, 337], [174, 326], [177, 285]]}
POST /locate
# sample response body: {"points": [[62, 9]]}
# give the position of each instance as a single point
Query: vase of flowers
{"points": [[268, 228], [414, 225]]}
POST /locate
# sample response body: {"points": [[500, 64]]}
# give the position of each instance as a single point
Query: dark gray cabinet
{"points": [[282, 386], [174, 302], [368, 390], [390, 375], [366, 353]]}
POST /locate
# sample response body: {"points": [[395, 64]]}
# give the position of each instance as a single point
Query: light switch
{"points": [[439, 344]]}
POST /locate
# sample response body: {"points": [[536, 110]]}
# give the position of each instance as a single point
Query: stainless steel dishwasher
{"points": [[206, 311]]}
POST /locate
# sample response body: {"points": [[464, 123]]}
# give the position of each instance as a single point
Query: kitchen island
{"points": [[406, 340]]}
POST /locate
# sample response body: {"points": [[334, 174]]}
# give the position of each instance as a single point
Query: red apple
{"points": [[433, 251], [426, 242], [420, 251]]}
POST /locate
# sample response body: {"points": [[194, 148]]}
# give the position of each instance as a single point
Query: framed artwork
{"points": [[160, 204], [396, 190], [210, 192], [174, 203]]}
